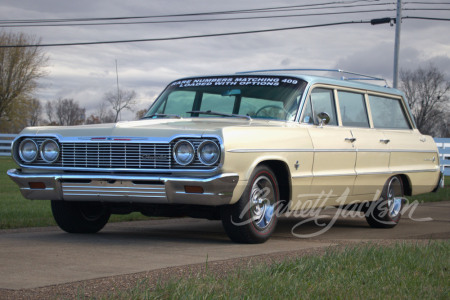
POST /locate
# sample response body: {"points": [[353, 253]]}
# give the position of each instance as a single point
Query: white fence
{"points": [[444, 154], [443, 145]]}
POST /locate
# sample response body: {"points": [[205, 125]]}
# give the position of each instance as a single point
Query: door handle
{"points": [[385, 141], [351, 140]]}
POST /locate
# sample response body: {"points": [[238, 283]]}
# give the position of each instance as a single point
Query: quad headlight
{"points": [[28, 150], [49, 151], [183, 152], [208, 153]]}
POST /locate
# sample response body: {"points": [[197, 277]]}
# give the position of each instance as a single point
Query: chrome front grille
{"points": [[116, 155], [120, 155]]}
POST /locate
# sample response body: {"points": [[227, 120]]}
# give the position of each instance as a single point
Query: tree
{"points": [[24, 112], [20, 68], [140, 113], [35, 111], [67, 112], [102, 115], [120, 100], [49, 112], [426, 90], [105, 115]]}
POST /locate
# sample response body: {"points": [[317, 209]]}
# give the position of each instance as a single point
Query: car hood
{"points": [[164, 128]]}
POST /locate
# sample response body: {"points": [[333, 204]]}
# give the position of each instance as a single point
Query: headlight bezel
{"points": [[199, 152], [20, 150], [175, 148], [42, 151]]}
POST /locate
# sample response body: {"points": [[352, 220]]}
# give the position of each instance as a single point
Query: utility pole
{"points": [[398, 25], [118, 90]]}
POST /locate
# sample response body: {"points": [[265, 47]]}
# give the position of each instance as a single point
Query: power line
{"points": [[426, 18], [186, 37], [257, 10], [201, 20], [426, 3]]}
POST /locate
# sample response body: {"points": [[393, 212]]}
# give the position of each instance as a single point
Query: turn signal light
{"points": [[37, 185], [193, 189]]}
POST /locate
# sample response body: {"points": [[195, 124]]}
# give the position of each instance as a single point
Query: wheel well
{"points": [[283, 175], [407, 189]]}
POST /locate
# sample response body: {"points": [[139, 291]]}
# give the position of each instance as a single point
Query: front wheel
{"points": [[386, 212], [80, 217], [253, 218]]}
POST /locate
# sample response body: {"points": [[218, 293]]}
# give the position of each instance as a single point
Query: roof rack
{"points": [[363, 76]]}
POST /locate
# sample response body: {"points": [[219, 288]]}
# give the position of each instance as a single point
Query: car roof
{"points": [[348, 83], [359, 83]]}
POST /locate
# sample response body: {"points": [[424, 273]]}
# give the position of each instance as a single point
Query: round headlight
{"points": [[183, 152], [49, 151], [28, 150], [208, 153]]}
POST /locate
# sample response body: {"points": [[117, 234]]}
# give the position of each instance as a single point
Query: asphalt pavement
{"points": [[38, 257]]}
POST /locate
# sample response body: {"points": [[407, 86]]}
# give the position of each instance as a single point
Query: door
{"points": [[334, 151]]}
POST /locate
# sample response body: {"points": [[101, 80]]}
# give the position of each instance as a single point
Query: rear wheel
{"points": [[80, 217], [386, 212], [253, 218]]}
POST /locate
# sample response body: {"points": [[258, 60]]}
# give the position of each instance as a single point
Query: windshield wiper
{"points": [[162, 116], [215, 113]]}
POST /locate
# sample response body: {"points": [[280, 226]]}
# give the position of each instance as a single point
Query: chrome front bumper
{"points": [[216, 190]]}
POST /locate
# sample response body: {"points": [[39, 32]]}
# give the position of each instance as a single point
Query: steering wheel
{"points": [[271, 106]]}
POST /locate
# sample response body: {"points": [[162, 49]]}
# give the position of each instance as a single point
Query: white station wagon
{"points": [[242, 148]]}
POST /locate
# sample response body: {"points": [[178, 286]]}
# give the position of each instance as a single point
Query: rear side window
{"points": [[388, 113], [353, 109]]}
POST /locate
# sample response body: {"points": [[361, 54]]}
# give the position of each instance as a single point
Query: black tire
{"points": [[253, 218], [386, 212], [80, 217]]}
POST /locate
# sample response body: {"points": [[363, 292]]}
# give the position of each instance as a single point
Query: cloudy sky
{"points": [[85, 73]]}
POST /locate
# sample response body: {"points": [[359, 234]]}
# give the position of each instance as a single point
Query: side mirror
{"points": [[324, 118]]}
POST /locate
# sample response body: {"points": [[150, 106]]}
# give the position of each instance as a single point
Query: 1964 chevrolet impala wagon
{"points": [[241, 148]]}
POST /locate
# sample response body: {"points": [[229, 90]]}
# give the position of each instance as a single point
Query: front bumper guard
{"points": [[216, 190]]}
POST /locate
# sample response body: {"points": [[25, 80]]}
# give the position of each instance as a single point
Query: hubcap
{"points": [[394, 201], [262, 200]]}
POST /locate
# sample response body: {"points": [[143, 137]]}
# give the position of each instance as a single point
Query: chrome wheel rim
{"points": [[393, 200], [262, 200]]}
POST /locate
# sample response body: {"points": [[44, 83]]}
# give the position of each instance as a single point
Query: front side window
{"points": [[388, 113], [266, 97], [353, 109], [320, 100]]}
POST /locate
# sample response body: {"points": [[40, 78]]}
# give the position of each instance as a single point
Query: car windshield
{"points": [[268, 97]]}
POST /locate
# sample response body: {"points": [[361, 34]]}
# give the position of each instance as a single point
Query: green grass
{"points": [[402, 271], [18, 212]]}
